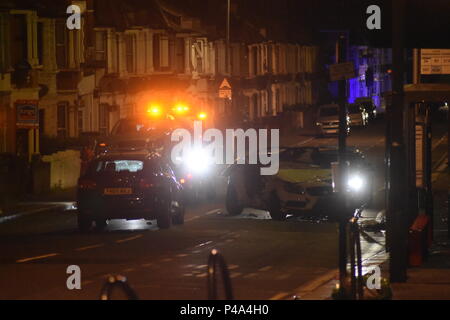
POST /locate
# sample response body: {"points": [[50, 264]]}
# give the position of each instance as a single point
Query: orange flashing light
{"points": [[154, 110], [202, 115], [180, 108]]}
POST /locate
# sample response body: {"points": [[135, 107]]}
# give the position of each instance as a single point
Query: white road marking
{"points": [[90, 247], [129, 239], [438, 142], [213, 212], [202, 275], [37, 258], [278, 296], [193, 218], [304, 142], [283, 277], [250, 275], [146, 265], [314, 284], [266, 268]]}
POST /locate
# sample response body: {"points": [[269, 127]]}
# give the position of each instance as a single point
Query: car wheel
{"points": [[275, 208], [84, 223], [164, 220], [232, 204], [100, 224], [178, 218]]}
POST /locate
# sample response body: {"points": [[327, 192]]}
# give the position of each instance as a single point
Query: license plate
{"points": [[117, 191]]}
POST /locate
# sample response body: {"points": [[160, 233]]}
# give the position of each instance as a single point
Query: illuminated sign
{"points": [[27, 113]]}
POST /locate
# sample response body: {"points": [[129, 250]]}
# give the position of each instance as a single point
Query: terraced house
{"points": [[57, 82]]}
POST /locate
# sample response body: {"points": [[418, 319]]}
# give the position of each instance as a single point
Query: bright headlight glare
{"points": [[198, 161], [355, 183]]}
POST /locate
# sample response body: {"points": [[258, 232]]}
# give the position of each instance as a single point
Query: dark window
{"points": [[80, 121], [40, 40], [129, 52], [100, 45], [255, 60], [269, 59], [61, 44], [4, 49], [62, 119], [103, 119], [41, 121], [19, 42], [156, 63], [179, 45]]}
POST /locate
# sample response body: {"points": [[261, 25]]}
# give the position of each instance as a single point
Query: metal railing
{"points": [[216, 259], [117, 282]]}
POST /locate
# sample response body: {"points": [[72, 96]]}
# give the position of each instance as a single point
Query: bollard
{"points": [[120, 282], [418, 241]]}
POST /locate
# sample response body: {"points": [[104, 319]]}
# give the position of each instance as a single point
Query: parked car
{"points": [[129, 186], [328, 120], [357, 115], [303, 185]]}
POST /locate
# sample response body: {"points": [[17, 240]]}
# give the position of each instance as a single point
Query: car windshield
{"points": [[118, 165], [328, 112], [313, 156], [354, 108], [133, 126]]}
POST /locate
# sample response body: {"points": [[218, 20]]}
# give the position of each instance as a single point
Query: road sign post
{"points": [[341, 71]]}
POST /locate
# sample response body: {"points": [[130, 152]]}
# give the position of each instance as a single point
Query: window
{"points": [[41, 121], [160, 52], [103, 119], [40, 42], [4, 54], [255, 60], [19, 39], [129, 53], [62, 119], [180, 55], [110, 166], [100, 45], [269, 59], [61, 44], [80, 121], [164, 47]]}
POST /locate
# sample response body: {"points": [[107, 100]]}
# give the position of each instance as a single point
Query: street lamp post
{"points": [[343, 217]]}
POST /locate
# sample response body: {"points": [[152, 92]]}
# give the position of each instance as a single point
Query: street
{"points": [[267, 259]]}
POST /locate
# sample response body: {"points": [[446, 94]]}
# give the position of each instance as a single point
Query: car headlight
{"points": [[318, 124], [197, 161], [355, 183]]}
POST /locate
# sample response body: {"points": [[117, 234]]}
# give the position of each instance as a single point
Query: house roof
{"points": [[123, 15]]}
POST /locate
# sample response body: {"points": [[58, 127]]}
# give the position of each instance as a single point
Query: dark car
{"points": [[129, 186]]}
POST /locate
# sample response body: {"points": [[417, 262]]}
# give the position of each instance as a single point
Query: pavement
{"points": [[429, 281], [60, 199]]}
